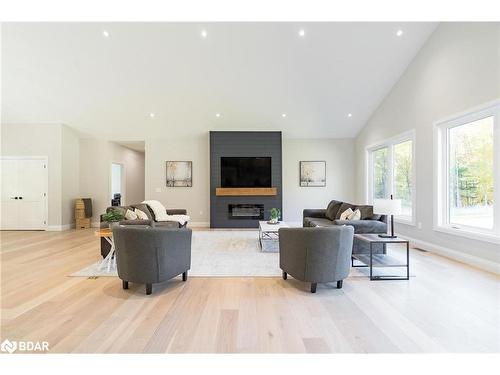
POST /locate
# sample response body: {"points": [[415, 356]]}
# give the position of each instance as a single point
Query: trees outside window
{"points": [[391, 172], [468, 173]]}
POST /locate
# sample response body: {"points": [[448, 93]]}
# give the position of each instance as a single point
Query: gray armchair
{"points": [[149, 255], [316, 255]]}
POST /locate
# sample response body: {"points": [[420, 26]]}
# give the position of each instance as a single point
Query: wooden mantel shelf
{"points": [[246, 191]]}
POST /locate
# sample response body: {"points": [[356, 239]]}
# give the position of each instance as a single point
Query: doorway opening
{"points": [[117, 184]]}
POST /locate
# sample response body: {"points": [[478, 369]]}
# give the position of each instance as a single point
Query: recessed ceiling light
{"points": [[349, 115], [105, 33], [302, 32], [399, 32], [204, 33], [283, 115], [152, 115], [217, 115]]}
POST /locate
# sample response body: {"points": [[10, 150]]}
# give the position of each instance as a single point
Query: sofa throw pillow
{"points": [[144, 208], [130, 215], [345, 215], [366, 212], [159, 210], [344, 206], [332, 209], [141, 215], [356, 215]]}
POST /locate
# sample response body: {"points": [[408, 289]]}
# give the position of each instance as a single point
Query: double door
{"points": [[23, 193]]}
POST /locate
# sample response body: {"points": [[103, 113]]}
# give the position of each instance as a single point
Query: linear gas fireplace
{"points": [[246, 211]]}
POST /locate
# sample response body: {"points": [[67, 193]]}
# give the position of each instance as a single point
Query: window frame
{"points": [[441, 176], [390, 143]]}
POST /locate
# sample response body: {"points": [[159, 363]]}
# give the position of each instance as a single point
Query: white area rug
{"points": [[221, 253], [235, 253]]}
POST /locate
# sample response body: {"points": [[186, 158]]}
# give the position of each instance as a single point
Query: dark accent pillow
{"points": [[375, 217], [343, 207], [332, 209], [144, 208], [366, 212]]}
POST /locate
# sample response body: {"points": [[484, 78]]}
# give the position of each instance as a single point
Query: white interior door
{"points": [[24, 193]]}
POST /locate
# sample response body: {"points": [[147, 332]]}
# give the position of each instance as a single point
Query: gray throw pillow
{"points": [[366, 212], [332, 209]]}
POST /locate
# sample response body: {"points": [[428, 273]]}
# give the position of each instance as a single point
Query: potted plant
{"points": [[274, 215], [112, 217]]}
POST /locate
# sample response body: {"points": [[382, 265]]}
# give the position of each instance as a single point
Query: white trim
{"points": [[45, 159], [59, 228], [474, 235], [440, 195], [198, 224], [409, 135], [472, 260]]}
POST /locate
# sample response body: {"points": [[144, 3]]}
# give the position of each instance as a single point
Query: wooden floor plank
{"points": [[447, 307]]}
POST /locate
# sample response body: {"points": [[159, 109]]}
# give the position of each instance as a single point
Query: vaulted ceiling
{"points": [[134, 81]]}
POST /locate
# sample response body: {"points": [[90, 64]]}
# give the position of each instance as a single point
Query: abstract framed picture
{"points": [[313, 173], [179, 173]]}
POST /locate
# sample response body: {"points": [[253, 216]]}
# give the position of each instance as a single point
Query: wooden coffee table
{"points": [[110, 259]]}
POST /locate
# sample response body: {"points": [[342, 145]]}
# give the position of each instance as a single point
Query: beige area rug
{"points": [[233, 253], [220, 253]]}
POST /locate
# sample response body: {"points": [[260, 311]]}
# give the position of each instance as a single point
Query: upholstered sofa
{"points": [[151, 221], [330, 216]]}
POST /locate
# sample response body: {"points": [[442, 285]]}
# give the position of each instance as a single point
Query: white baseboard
{"points": [[59, 228], [472, 260], [198, 224]]}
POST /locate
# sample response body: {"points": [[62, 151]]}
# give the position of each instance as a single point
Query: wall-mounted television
{"points": [[237, 172]]}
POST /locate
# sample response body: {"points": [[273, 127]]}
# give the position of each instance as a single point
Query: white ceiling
{"points": [[250, 73]]}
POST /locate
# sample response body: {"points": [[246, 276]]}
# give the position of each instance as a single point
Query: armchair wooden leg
{"points": [[284, 275], [313, 287], [339, 284], [125, 284], [149, 289], [184, 276]]}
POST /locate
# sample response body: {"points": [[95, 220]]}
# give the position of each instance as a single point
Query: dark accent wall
{"points": [[252, 144]]}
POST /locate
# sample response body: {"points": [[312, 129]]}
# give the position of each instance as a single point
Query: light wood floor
{"points": [[447, 307]]}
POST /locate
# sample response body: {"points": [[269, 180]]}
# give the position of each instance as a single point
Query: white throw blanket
{"points": [[181, 219], [161, 213]]}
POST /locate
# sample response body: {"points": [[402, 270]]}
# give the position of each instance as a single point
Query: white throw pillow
{"points": [[356, 215], [141, 215], [345, 215], [130, 215], [159, 210]]}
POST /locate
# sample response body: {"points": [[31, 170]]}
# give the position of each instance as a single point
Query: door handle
{"points": [[13, 197], [20, 197]]}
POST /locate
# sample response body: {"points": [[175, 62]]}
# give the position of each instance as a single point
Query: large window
{"points": [[467, 179], [391, 172]]}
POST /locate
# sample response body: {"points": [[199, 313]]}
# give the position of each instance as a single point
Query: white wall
{"points": [[195, 199], [338, 154], [70, 169], [96, 157], [339, 157], [456, 70]]}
